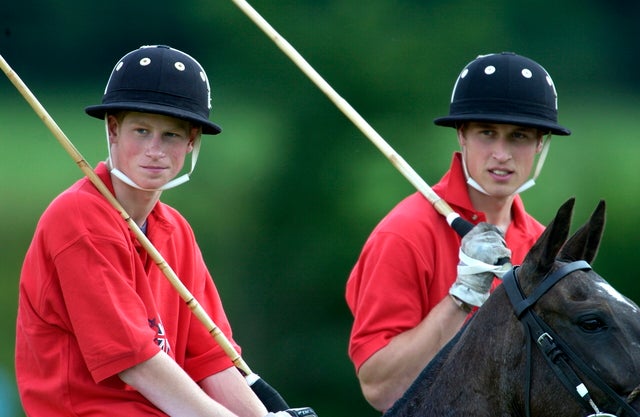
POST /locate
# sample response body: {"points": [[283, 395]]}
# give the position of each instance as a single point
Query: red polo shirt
{"points": [[92, 303], [410, 260]]}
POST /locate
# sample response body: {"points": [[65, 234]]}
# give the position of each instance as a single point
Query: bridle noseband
{"points": [[556, 352]]}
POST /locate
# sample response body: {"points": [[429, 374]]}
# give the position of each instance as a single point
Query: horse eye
{"points": [[592, 324]]}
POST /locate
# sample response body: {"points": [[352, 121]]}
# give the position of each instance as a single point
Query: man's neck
{"points": [[137, 203], [496, 210]]}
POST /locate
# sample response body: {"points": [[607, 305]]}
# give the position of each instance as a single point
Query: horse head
{"points": [[553, 309], [597, 324]]}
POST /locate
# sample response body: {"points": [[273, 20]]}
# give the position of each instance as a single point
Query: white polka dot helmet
{"points": [[505, 88], [159, 79]]}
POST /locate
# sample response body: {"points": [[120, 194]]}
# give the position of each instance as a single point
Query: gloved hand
{"points": [[295, 412], [480, 250]]}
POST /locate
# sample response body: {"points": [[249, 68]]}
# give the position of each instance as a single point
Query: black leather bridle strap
{"points": [[557, 360], [521, 304], [592, 375], [554, 356], [555, 351]]}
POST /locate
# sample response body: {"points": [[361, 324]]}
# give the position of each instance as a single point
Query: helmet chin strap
{"points": [[171, 184], [527, 184]]}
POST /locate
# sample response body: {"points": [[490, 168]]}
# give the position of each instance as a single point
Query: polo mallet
{"points": [[460, 225], [267, 394]]}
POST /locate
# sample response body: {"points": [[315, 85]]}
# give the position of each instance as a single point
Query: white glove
{"points": [[480, 250], [294, 412]]}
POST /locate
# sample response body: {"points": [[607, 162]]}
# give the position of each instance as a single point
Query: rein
{"points": [[556, 352]]}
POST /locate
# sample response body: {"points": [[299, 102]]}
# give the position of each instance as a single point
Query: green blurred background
{"points": [[283, 199]]}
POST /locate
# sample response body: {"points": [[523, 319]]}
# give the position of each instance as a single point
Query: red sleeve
{"points": [[385, 292], [94, 272], [103, 307], [406, 267]]}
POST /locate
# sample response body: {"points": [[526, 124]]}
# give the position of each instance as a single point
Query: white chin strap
{"points": [[171, 184], [527, 184]]}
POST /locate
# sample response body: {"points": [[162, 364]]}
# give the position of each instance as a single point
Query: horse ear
{"points": [[584, 244], [543, 253]]}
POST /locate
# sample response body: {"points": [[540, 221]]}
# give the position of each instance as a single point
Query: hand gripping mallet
{"points": [[267, 394]]}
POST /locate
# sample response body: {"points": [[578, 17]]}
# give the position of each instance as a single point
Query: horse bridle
{"points": [[557, 353]]}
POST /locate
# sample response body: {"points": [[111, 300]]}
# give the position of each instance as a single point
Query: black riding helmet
{"points": [[159, 79], [505, 88]]}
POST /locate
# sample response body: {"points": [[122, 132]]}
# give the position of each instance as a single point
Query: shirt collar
{"points": [[453, 189]]}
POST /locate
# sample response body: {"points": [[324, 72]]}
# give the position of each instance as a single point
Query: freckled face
{"points": [[150, 148], [499, 157]]}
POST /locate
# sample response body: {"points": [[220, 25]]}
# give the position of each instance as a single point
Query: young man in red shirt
{"points": [[412, 287], [100, 330]]}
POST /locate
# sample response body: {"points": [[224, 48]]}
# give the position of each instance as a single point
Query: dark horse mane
{"points": [[487, 369]]}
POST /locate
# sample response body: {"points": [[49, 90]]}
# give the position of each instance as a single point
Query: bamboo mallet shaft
{"points": [[453, 218]]}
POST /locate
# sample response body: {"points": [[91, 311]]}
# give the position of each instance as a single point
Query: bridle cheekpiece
{"points": [[556, 352]]}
